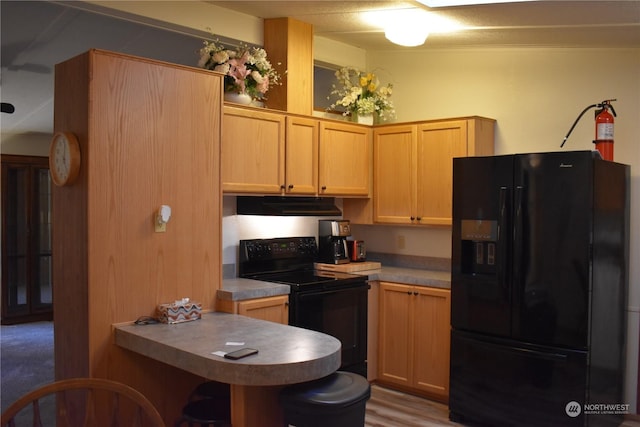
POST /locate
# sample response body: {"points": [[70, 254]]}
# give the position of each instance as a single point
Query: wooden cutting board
{"points": [[348, 268]]}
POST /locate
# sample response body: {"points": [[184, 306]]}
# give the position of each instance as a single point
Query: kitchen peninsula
{"points": [[287, 355]]}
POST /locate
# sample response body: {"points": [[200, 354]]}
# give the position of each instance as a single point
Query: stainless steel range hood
{"points": [[287, 206]]}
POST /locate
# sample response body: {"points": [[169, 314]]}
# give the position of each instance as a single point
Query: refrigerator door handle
{"points": [[503, 237], [546, 355], [518, 226]]}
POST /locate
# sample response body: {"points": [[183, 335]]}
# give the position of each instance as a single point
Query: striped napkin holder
{"points": [[179, 311]]}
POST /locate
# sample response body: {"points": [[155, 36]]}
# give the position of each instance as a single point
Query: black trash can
{"points": [[338, 400]]}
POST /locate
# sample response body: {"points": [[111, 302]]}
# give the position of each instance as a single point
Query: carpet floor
{"points": [[26, 359]]}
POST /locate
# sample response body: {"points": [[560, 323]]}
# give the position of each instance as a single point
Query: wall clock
{"points": [[64, 158]]}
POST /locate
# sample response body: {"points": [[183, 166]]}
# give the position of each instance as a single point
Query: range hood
{"points": [[287, 206]]}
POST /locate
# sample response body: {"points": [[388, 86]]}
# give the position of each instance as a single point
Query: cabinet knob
{"points": [[324, 187], [412, 218], [419, 218], [282, 187], [415, 293], [408, 292], [290, 186]]}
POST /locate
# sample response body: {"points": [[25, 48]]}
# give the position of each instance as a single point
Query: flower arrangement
{"points": [[246, 69], [360, 93]]}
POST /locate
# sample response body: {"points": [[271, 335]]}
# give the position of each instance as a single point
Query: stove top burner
{"points": [[310, 277], [289, 261]]}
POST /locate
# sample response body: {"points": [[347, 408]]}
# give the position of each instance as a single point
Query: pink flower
{"points": [[238, 70]]}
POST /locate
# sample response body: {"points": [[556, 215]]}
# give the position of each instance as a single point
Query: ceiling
{"points": [[535, 23], [35, 35]]}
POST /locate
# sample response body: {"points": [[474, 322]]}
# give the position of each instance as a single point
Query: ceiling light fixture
{"points": [[406, 35], [443, 3], [409, 27]]}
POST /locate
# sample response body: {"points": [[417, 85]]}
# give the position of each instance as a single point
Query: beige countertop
{"points": [[411, 276], [239, 289], [287, 354]]}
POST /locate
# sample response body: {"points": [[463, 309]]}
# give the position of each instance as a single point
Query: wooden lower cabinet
{"points": [[414, 338], [272, 309]]}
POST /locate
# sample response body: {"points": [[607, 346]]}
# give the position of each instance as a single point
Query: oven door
{"points": [[339, 311]]}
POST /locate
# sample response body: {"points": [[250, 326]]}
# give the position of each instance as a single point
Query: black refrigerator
{"points": [[540, 252]]}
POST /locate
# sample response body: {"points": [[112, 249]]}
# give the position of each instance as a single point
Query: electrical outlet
{"points": [[400, 242]]}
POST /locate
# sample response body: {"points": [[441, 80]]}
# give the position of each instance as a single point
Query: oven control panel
{"points": [[278, 248]]}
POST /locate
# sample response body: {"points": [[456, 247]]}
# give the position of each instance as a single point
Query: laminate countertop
{"points": [[239, 289], [287, 354]]}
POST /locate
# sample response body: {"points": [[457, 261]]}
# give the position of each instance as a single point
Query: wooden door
{"points": [[27, 287], [431, 340], [395, 332], [301, 164], [345, 154], [438, 144], [394, 172], [253, 151]]}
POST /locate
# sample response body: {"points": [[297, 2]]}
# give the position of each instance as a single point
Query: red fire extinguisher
{"points": [[604, 128]]}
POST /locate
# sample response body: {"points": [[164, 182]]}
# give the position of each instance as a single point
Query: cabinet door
{"points": [[431, 340], [301, 171], [272, 309], [345, 151], [394, 171], [438, 144], [253, 153], [395, 332]]}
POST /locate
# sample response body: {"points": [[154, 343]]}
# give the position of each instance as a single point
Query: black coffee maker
{"points": [[332, 241]]}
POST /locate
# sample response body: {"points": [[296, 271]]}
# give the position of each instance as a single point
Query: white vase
{"points": [[238, 98], [365, 119]]}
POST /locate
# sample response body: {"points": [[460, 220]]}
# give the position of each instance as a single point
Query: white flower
{"points": [[222, 68], [220, 57], [360, 93], [257, 77]]}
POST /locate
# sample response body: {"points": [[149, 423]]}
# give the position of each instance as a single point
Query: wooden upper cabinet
{"points": [[394, 185], [413, 167], [301, 155], [265, 152], [438, 144], [345, 159], [253, 151]]}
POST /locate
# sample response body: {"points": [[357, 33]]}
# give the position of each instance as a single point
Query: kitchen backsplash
{"points": [[410, 261]]}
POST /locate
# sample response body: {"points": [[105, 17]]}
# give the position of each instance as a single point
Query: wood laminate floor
{"points": [[390, 408]]}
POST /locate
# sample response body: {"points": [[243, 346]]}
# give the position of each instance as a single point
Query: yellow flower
{"points": [[364, 81], [372, 87]]}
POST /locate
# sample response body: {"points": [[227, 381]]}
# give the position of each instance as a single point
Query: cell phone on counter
{"points": [[239, 354]]}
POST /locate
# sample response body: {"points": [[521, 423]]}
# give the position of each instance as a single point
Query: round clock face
{"points": [[64, 158]]}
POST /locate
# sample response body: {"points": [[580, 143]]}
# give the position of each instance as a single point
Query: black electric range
{"points": [[290, 261], [324, 301]]}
